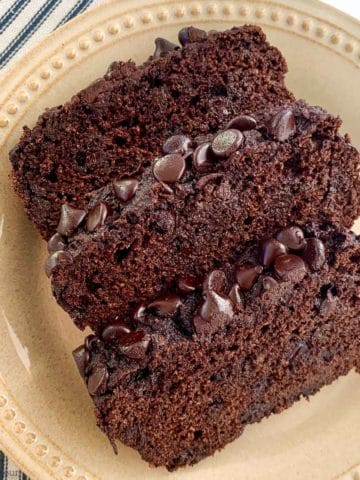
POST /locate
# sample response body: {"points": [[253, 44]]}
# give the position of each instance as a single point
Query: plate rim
{"points": [[68, 46]]}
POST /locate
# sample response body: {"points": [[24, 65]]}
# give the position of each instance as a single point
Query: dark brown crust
{"points": [[192, 395], [119, 123], [156, 237]]}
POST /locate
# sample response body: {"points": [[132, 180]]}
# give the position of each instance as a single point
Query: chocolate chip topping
{"points": [[96, 218], [269, 250], [283, 125], [314, 253], [97, 380], [55, 259], [290, 268], [177, 144], [170, 168], [91, 341], [292, 237], [57, 242], [82, 357], [214, 310], [139, 312], [215, 281], [187, 284], [163, 46], [70, 219], [135, 344], [165, 305], [202, 160], [115, 331], [191, 35], [242, 123], [269, 283], [235, 295], [247, 274], [125, 189], [227, 142]]}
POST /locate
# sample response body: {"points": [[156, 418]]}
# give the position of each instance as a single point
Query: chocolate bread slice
{"points": [[186, 377], [191, 211], [117, 125]]}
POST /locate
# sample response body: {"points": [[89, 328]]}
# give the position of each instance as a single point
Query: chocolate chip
{"points": [[290, 268], [202, 161], [269, 283], [125, 189], [114, 331], [163, 46], [97, 380], [70, 219], [227, 142], [283, 125], [292, 238], [91, 341], [96, 218], [169, 169], [314, 253], [215, 281], [269, 250], [82, 357], [190, 35], [177, 144], [135, 344], [242, 123], [57, 242], [139, 312], [187, 284], [56, 259], [235, 295], [165, 305], [215, 304], [247, 274]]}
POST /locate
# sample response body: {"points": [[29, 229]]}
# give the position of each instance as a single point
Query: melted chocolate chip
{"points": [[115, 331], [135, 344], [91, 341], [163, 47], [125, 189], [247, 274], [70, 219], [187, 284], [57, 242], [242, 123], [215, 281], [191, 35], [283, 125], [215, 304], [177, 144], [165, 305], [169, 169], [56, 259], [290, 268], [235, 295], [139, 312], [96, 218], [82, 357], [269, 250], [269, 283], [292, 238], [227, 142], [97, 380], [202, 161], [314, 253]]}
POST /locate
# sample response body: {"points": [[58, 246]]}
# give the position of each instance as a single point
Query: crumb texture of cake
{"points": [[198, 206], [116, 125], [186, 374]]}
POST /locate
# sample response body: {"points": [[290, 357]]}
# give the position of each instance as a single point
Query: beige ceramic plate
{"points": [[46, 419]]}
